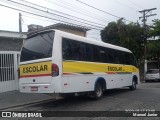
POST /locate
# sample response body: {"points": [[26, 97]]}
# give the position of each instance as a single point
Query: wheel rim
{"points": [[99, 91]]}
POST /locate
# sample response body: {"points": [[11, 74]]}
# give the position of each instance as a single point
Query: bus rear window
{"points": [[38, 46]]}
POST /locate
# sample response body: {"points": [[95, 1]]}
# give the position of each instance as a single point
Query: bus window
{"points": [[132, 60], [103, 55], [96, 54], [66, 50], [38, 47], [86, 52], [71, 49]]}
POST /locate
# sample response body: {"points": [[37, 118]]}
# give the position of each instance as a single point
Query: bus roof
{"points": [[91, 41], [86, 40]]}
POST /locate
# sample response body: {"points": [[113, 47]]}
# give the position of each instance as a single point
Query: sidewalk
{"points": [[14, 98]]}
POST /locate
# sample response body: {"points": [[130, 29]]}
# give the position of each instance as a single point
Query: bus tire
{"points": [[133, 86], [98, 92]]}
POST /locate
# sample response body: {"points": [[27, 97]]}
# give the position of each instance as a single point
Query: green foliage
{"points": [[110, 33], [125, 35], [155, 29], [153, 50], [132, 36], [153, 46]]}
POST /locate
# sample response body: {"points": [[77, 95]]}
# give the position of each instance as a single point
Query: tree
{"points": [[125, 35], [110, 34], [153, 46], [155, 29]]}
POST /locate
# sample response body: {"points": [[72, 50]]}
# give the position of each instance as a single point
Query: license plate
{"points": [[34, 88]]}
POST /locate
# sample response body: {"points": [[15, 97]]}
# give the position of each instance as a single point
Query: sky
{"points": [[108, 9]]}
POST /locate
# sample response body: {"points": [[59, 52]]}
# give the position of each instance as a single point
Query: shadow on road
{"points": [[76, 101]]}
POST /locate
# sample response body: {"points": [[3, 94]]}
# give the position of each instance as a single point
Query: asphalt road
{"points": [[145, 97]]}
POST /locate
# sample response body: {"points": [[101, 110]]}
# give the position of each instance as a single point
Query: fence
{"points": [[9, 61]]}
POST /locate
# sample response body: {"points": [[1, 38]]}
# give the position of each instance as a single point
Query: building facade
{"points": [[77, 30], [10, 47]]}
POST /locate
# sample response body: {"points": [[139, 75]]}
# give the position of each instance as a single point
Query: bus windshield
{"points": [[38, 46]]}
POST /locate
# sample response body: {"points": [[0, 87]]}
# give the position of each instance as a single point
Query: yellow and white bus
{"points": [[53, 61]]}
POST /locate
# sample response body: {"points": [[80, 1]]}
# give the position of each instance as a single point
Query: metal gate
{"points": [[9, 61]]}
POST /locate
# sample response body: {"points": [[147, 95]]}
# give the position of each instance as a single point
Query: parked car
{"points": [[152, 74]]}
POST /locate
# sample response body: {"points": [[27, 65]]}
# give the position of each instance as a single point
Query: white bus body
{"points": [[58, 62]]}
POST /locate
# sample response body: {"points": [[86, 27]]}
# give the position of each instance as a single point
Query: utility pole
{"points": [[20, 22], [144, 19]]}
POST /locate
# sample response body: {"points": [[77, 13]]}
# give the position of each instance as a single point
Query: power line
{"points": [[54, 14], [97, 9], [126, 5], [78, 11], [45, 16], [101, 10], [135, 4], [59, 12], [37, 18]]}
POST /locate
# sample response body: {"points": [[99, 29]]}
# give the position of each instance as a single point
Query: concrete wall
{"points": [[76, 32], [10, 44]]}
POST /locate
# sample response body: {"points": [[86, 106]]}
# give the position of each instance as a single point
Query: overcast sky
{"points": [[121, 8]]}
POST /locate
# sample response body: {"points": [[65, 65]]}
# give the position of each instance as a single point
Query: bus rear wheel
{"points": [[98, 92]]}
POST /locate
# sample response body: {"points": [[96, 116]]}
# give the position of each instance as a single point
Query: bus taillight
{"points": [[55, 70]]}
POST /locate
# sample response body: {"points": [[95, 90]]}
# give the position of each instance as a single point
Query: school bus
{"points": [[53, 61]]}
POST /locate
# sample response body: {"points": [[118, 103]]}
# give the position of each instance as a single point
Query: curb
{"points": [[30, 103]]}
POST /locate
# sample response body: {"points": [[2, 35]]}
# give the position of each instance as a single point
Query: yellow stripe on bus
{"points": [[78, 67], [36, 68]]}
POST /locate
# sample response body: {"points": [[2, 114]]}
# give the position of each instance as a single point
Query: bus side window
{"points": [[66, 49], [112, 54], [115, 56], [109, 55], [96, 54], [86, 52], [75, 50], [103, 55], [90, 53], [127, 58], [132, 60], [82, 51], [121, 57]]}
